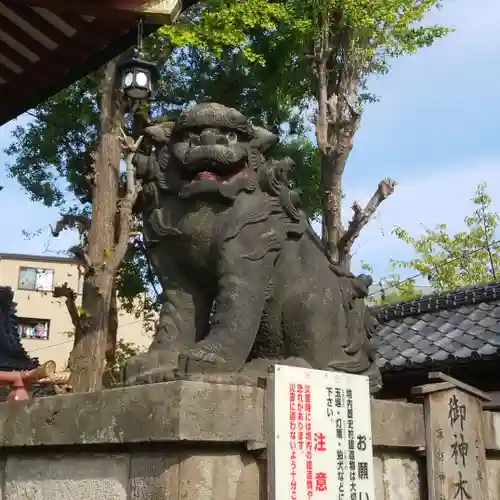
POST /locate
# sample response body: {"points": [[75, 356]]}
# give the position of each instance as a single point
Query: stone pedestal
{"points": [[190, 440]]}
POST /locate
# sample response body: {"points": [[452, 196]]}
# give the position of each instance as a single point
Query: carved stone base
{"points": [[158, 366]]}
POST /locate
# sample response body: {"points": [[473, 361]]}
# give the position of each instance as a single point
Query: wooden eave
{"points": [[46, 45]]}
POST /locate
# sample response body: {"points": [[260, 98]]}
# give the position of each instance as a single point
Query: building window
{"points": [[32, 328], [32, 278]]}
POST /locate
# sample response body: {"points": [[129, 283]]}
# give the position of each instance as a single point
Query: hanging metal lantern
{"points": [[138, 76]]}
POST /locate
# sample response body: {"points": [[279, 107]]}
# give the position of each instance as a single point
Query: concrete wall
{"points": [[41, 305], [189, 440]]}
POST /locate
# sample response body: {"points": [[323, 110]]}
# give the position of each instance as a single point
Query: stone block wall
{"points": [[150, 475], [185, 440]]}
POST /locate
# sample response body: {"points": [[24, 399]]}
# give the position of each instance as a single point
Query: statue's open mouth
{"points": [[219, 163], [207, 175]]}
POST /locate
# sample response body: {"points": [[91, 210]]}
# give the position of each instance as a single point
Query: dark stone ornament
{"points": [[13, 357], [245, 278]]}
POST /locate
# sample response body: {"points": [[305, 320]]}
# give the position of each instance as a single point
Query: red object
{"points": [[18, 394], [19, 385], [207, 176], [21, 381]]}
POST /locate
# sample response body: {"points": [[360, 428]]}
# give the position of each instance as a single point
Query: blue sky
{"points": [[435, 131]]}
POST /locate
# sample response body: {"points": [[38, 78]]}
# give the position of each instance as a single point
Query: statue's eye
{"points": [[232, 137]]}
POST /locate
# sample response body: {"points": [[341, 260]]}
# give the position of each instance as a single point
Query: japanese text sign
{"points": [[320, 440], [456, 455]]}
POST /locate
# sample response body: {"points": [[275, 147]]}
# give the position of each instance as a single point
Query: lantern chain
{"points": [[140, 31]]}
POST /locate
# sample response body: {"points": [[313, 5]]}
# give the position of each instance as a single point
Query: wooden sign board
{"points": [[456, 459]]}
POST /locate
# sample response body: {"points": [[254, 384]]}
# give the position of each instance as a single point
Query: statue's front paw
{"points": [[150, 367], [198, 360]]}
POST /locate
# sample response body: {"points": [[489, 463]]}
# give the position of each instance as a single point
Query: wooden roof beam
{"points": [[151, 11]]}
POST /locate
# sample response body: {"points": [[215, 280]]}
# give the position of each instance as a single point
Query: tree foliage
{"points": [[325, 50], [450, 261], [391, 289]]}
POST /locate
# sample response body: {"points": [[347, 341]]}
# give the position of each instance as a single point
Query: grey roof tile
{"points": [[487, 350], [414, 339], [446, 328], [456, 319], [456, 326], [476, 330], [466, 324], [495, 328], [477, 315], [430, 350], [446, 344], [419, 325], [437, 322], [445, 314], [440, 355], [436, 335], [495, 313], [485, 307], [455, 334], [463, 352], [488, 322], [495, 341], [421, 358], [383, 349], [410, 321], [466, 310], [399, 360], [400, 328], [428, 318], [487, 336], [470, 341], [409, 353]]}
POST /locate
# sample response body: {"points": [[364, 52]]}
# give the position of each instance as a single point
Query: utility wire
{"points": [[434, 268], [382, 290]]}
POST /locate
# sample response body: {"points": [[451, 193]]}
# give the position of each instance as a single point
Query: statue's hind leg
{"points": [[317, 329]]}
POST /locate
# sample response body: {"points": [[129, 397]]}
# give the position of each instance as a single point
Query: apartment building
{"points": [[43, 321]]}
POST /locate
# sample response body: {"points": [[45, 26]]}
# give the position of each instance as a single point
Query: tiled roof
{"points": [[443, 329]]}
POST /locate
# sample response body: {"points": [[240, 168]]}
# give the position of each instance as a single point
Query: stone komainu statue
{"points": [[245, 279], [12, 354]]}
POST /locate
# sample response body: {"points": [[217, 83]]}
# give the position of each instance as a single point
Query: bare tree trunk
{"points": [[112, 339], [337, 122], [332, 170], [88, 355], [334, 135]]}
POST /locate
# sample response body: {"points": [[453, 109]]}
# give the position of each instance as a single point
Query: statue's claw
{"points": [[150, 367], [198, 360]]}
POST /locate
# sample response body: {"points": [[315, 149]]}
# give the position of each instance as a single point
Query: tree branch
{"points": [[126, 204], [67, 292], [71, 221], [362, 215], [82, 224]]}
